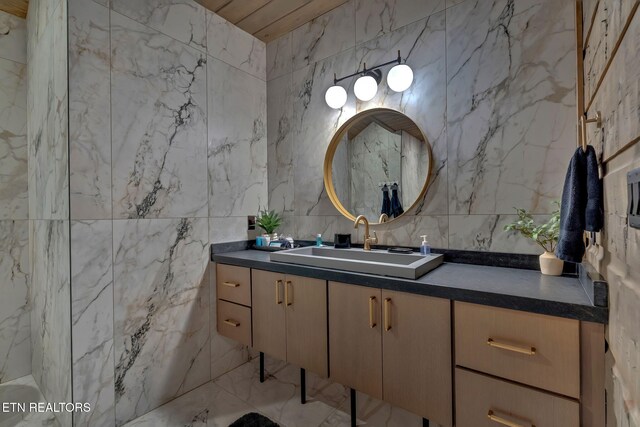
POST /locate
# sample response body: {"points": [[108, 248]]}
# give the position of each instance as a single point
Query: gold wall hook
{"points": [[597, 119]]}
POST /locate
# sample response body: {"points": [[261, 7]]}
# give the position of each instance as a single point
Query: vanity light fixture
{"points": [[336, 97], [399, 79]]}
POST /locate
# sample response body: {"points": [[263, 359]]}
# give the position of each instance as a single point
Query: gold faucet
{"points": [[383, 218], [368, 240]]}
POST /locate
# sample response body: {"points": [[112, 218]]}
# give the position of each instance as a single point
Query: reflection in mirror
{"points": [[380, 165]]}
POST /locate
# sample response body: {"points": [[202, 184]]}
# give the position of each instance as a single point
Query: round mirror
{"points": [[378, 163]]}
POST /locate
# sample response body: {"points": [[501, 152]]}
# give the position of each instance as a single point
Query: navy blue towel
{"points": [[386, 202], [581, 207], [594, 215], [396, 205]]}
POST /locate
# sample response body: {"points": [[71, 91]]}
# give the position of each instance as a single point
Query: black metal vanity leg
{"points": [[354, 416], [303, 386], [261, 367], [425, 422]]}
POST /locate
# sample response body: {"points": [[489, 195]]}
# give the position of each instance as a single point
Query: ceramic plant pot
{"points": [[550, 264]]}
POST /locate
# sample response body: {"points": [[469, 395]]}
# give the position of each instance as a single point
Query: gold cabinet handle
{"points": [[529, 351], [372, 316], [278, 284], [387, 314], [232, 322], [503, 421], [287, 293], [231, 284]]}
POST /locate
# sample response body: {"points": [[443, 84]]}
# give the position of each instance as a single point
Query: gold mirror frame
{"points": [[331, 151]]}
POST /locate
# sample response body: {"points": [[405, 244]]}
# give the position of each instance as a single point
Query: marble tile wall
{"points": [[168, 153], [617, 251], [493, 90], [15, 324], [48, 189]]}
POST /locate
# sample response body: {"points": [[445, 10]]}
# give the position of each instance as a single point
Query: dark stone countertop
{"points": [[512, 288]]}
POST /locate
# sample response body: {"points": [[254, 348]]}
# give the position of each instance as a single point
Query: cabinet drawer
{"points": [[233, 284], [485, 401], [234, 321], [542, 351]]}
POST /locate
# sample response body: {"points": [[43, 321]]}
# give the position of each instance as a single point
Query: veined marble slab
{"points": [[183, 20], [89, 110], [324, 36], [47, 117], [14, 198], [50, 310], [377, 17], [510, 104], [161, 300], [236, 47], [92, 321], [280, 145], [279, 54], [237, 141], [158, 96], [15, 323]]}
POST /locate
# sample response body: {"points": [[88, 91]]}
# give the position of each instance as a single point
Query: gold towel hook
{"points": [[597, 119]]}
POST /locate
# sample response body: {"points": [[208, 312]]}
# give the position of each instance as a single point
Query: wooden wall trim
{"points": [[592, 20], [613, 54], [579, 68]]}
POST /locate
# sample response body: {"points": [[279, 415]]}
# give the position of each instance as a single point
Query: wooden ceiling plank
{"points": [[237, 10], [214, 5], [15, 7], [271, 12], [296, 18]]}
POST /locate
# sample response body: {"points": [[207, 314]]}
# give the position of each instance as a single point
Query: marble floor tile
{"points": [[24, 390], [279, 397], [208, 405], [373, 412]]}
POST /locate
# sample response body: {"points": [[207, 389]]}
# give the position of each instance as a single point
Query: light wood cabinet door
{"points": [[269, 330], [533, 349], [355, 341], [306, 307], [234, 321], [487, 401], [416, 354], [233, 284]]}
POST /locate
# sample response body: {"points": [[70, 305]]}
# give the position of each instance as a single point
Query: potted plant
{"points": [[269, 221], [545, 235]]}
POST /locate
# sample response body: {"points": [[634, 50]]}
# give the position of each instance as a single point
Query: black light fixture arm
{"points": [[365, 70]]}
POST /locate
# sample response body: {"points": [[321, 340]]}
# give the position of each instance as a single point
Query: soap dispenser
{"points": [[425, 249]]}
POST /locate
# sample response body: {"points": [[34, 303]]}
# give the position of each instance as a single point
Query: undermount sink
{"points": [[407, 266]]}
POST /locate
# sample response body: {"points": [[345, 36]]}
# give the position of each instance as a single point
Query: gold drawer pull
{"points": [[387, 314], [278, 284], [232, 322], [286, 293], [529, 351], [372, 316], [503, 421], [231, 284]]}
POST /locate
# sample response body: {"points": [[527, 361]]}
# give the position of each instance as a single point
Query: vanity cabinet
{"points": [[486, 401], [393, 346], [233, 313], [504, 347], [290, 319]]}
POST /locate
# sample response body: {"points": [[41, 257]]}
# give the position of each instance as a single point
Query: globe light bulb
{"points": [[365, 88], [400, 78], [336, 97]]}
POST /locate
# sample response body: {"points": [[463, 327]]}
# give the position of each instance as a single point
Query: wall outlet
{"points": [[251, 222], [633, 198]]}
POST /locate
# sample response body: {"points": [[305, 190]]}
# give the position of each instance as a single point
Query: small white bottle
{"points": [[425, 249]]}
